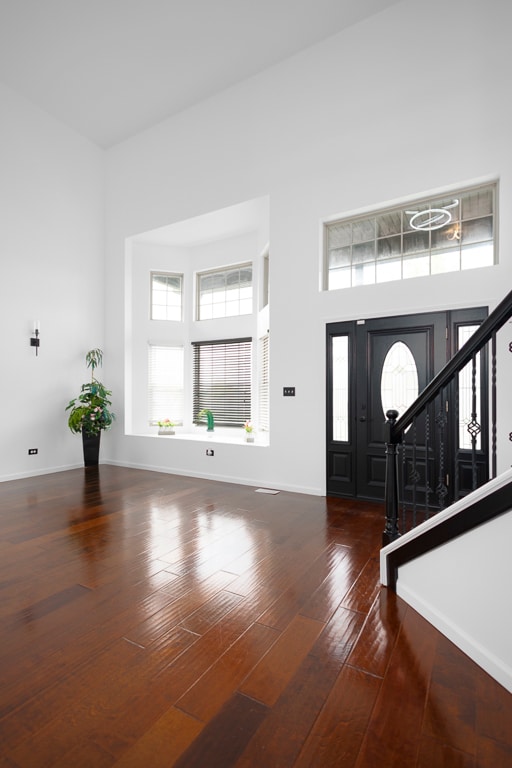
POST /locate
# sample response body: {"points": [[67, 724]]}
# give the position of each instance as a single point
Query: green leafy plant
{"points": [[90, 411], [209, 418]]}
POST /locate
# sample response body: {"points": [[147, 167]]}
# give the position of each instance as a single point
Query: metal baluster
{"points": [[402, 486], [494, 470], [427, 473], [441, 419], [414, 475], [473, 426]]}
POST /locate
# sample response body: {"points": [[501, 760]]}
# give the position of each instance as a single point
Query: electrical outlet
{"points": [[32, 451], [209, 452], [288, 391]]}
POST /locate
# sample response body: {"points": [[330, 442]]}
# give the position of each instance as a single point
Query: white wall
{"points": [[461, 588], [51, 269], [403, 104]]}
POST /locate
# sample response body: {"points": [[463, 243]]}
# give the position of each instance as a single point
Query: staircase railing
{"points": [[409, 484]]}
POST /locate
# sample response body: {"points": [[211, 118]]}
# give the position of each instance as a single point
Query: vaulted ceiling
{"points": [[112, 68]]}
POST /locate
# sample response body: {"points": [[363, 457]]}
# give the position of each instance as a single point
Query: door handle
{"points": [[362, 418]]}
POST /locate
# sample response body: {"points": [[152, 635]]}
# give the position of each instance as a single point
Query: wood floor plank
{"points": [[337, 735], [450, 712], [163, 743], [283, 733], [325, 600], [433, 752], [206, 697], [129, 596], [392, 736], [375, 645], [223, 740], [270, 676]]}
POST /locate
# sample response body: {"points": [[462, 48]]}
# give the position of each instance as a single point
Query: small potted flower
{"points": [[249, 432], [166, 427], [208, 415]]}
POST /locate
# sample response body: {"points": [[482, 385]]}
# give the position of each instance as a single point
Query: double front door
{"points": [[376, 365]]}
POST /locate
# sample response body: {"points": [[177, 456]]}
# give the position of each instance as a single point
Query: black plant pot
{"points": [[91, 446]]}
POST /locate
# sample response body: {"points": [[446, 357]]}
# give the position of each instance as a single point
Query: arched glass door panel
{"points": [[399, 379]]}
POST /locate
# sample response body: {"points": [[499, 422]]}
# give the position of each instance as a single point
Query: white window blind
{"points": [[222, 380], [263, 383], [165, 384]]}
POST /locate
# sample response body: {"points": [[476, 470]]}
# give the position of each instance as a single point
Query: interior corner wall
{"points": [[51, 270], [459, 588], [406, 103]]}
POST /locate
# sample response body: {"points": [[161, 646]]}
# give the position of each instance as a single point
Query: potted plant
{"points": [[209, 418], [249, 432], [166, 427], [90, 412]]}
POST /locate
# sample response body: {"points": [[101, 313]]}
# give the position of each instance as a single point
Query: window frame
{"points": [[216, 272], [362, 252], [162, 273]]}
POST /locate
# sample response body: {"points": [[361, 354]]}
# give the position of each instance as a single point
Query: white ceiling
{"points": [[112, 68]]}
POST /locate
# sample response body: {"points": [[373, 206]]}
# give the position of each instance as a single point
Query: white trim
{"points": [[480, 655], [219, 478]]}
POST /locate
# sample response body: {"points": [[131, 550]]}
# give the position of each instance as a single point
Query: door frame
{"points": [[342, 458]]}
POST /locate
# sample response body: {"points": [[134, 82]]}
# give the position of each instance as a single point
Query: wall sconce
{"points": [[34, 340]]}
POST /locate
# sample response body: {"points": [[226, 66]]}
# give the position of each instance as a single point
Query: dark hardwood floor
{"points": [[152, 620]]}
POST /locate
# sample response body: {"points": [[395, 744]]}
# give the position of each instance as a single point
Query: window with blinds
{"points": [[222, 380], [263, 383], [165, 384]]}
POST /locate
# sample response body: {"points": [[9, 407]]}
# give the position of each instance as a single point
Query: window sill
{"points": [[227, 436]]}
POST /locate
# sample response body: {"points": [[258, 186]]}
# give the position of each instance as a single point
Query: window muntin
{"points": [[166, 296], [165, 384], [432, 236], [224, 292], [222, 375]]}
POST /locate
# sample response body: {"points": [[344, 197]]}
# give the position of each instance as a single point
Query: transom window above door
{"points": [[434, 235]]}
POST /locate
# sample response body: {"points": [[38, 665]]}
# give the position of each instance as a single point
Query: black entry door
{"points": [[363, 358], [425, 338]]}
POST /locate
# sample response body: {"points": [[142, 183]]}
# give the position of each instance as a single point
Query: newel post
{"points": [[390, 532]]}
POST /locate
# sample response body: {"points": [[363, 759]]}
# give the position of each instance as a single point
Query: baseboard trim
{"points": [[220, 478], [490, 663], [38, 472]]}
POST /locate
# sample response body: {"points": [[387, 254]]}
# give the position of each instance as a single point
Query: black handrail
{"points": [[479, 339], [396, 427]]}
